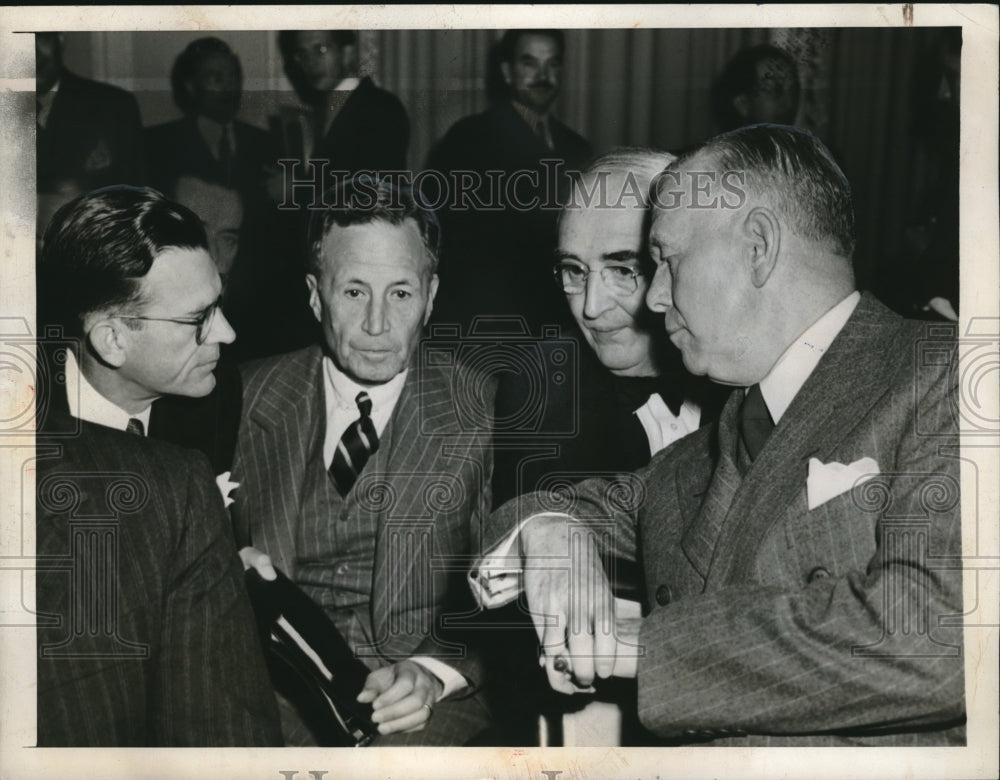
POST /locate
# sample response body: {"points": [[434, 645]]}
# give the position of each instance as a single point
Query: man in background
{"points": [[499, 237], [759, 84]]}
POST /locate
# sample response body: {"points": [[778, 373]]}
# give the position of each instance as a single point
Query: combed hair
{"points": [[739, 77], [507, 44], [363, 199], [186, 67], [296, 76], [99, 246], [793, 171]]}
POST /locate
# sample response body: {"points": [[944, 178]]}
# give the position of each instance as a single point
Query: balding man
{"points": [[795, 552]]}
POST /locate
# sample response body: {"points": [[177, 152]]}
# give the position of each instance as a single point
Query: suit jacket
{"points": [[146, 637], [498, 260], [93, 135], [177, 147], [429, 478], [770, 623], [371, 132]]}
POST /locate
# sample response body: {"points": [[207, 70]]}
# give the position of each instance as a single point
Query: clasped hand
{"points": [[571, 604]]}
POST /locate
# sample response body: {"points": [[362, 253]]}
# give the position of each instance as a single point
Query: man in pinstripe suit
{"points": [[802, 555], [380, 549]]}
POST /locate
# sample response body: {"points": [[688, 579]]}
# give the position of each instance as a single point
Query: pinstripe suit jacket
{"points": [[425, 491], [146, 637], [769, 623]]}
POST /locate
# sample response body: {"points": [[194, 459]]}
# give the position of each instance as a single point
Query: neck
{"points": [[109, 382]]}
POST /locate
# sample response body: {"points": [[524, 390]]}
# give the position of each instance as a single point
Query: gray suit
{"points": [[424, 494], [772, 624]]}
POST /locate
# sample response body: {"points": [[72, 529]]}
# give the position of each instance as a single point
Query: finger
{"points": [[413, 720], [401, 687], [605, 635], [562, 681], [255, 559], [375, 683]]}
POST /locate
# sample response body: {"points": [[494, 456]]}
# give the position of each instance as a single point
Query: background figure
{"points": [[498, 238], [627, 397], [175, 660], [931, 238], [759, 84], [220, 210], [89, 133], [355, 125]]}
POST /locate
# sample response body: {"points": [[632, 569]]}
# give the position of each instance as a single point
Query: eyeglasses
{"points": [[203, 322], [619, 279], [302, 56]]}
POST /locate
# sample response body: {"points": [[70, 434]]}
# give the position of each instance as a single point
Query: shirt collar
{"points": [[348, 84], [89, 405], [343, 390], [796, 363]]}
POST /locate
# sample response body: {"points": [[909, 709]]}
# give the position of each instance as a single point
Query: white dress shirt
{"points": [[340, 392], [86, 403], [498, 581]]}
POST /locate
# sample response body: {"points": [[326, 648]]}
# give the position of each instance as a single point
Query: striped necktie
{"points": [[135, 426], [359, 442]]}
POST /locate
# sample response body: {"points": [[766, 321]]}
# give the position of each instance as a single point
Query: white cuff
{"points": [[497, 579], [451, 679]]}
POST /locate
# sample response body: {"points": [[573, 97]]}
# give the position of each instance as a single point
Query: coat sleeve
{"points": [[211, 683], [874, 649]]}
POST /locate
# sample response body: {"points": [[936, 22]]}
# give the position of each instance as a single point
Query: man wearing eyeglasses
{"points": [[128, 277], [129, 313]]}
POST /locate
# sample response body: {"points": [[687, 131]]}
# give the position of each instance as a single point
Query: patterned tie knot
{"points": [[364, 404], [356, 446], [135, 426]]}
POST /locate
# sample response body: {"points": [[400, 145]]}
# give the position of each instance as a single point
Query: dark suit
{"points": [[145, 634], [424, 493], [93, 135], [498, 260], [178, 147], [371, 132], [772, 624]]}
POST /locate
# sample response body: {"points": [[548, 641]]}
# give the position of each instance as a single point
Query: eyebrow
{"points": [[621, 256]]}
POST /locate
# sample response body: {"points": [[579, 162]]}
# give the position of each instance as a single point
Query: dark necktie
{"points": [[755, 421], [135, 426], [225, 155], [359, 442]]}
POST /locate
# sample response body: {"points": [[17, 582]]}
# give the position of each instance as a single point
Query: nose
{"points": [[659, 296], [375, 317], [596, 298], [222, 332]]}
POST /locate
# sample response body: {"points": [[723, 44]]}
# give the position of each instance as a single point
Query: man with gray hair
{"points": [[358, 478], [800, 554]]}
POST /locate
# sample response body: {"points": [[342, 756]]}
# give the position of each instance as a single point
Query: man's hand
{"points": [[402, 696], [255, 559], [570, 602]]}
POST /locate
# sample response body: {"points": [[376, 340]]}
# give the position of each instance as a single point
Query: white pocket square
{"points": [[829, 480]]}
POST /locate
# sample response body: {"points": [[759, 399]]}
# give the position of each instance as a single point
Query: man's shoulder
{"points": [[97, 91], [370, 96], [260, 374], [164, 131]]}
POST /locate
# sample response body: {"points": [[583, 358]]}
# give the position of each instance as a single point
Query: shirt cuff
{"points": [[497, 579], [451, 679]]}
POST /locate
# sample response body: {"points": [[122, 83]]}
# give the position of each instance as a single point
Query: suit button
{"points": [[663, 595], [819, 573]]}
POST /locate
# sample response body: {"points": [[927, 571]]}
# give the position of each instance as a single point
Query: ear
{"points": [[314, 301], [110, 339], [505, 70], [742, 105], [430, 298], [762, 232]]}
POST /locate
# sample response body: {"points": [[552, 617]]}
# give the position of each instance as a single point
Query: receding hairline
{"points": [[429, 266]]}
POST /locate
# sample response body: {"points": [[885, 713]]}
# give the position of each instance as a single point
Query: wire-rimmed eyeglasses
{"points": [[203, 322], [618, 278]]}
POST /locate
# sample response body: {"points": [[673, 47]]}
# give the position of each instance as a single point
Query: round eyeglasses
{"points": [[619, 279], [203, 322]]}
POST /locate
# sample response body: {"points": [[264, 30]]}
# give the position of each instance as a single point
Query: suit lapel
{"points": [[287, 423], [820, 417], [409, 461]]}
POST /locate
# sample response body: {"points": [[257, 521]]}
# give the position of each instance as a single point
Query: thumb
{"points": [[377, 682]]}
